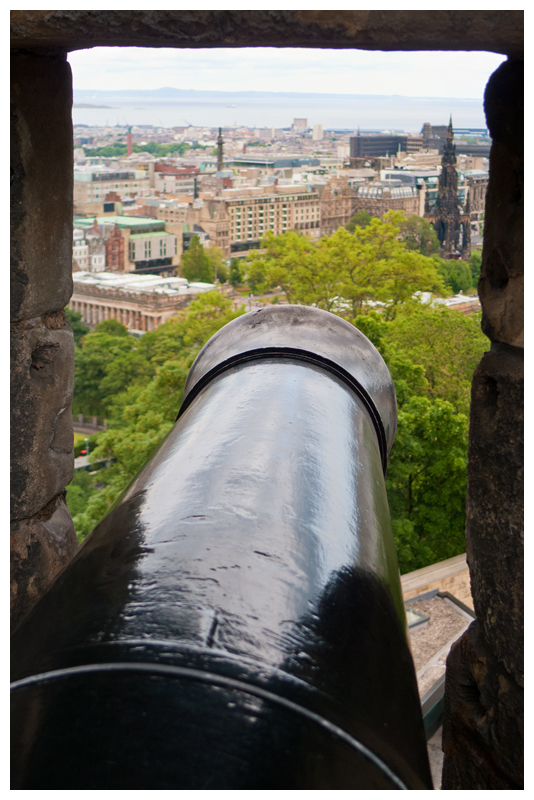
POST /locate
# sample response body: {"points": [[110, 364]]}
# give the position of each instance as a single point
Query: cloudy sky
{"points": [[415, 74]]}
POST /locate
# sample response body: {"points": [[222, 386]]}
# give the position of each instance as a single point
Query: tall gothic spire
{"points": [[447, 223]]}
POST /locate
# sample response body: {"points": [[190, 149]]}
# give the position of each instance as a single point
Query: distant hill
{"points": [[171, 92]]}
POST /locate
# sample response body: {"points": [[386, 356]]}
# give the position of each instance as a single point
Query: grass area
{"points": [[79, 437]]}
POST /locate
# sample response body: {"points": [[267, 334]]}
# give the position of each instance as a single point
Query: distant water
{"points": [[172, 107]]}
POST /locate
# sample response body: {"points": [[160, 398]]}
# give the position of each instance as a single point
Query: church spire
{"points": [[450, 131]]}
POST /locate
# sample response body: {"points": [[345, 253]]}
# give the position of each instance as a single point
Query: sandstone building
{"points": [[378, 198], [141, 302], [336, 204], [140, 244], [92, 184]]}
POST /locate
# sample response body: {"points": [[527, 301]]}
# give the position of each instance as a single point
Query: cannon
{"points": [[236, 620]]}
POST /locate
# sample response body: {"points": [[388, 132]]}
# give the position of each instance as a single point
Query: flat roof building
{"points": [[363, 146], [140, 302]]}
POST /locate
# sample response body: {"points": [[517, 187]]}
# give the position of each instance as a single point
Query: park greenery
{"points": [[372, 277], [198, 264], [345, 270], [118, 150]]}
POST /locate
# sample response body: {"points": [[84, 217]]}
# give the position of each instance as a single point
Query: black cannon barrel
{"points": [[236, 620]]}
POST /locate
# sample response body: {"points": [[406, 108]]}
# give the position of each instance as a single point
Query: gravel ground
{"points": [[445, 625], [430, 644]]}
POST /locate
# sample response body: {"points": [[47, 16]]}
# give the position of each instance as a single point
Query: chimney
{"points": [[129, 142]]}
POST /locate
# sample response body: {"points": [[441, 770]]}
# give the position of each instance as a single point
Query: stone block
{"points": [[41, 185], [482, 719], [501, 31], [500, 287], [494, 527], [40, 547], [42, 379]]}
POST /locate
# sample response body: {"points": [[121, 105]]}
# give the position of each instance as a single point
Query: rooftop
{"points": [[123, 221], [150, 233], [130, 282]]}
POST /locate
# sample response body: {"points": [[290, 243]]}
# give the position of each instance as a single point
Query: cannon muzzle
{"points": [[236, 620]]}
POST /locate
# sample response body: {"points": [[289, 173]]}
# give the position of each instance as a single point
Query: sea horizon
{"points": [[171, 107]]}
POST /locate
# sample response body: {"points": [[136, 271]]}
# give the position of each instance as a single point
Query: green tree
{"points": [[455, 273], [378, 265], [195, 264], [344, 271], [217, 262], [418, 234], [79, 491], [75, 321], [116, 150], [294, 263], [426, 483], [447, 344], [360, 219], [236, 272], [475, 265], [144, 411], [408, 378], [98, 350]]}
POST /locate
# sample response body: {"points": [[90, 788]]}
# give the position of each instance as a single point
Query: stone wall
{"points": [[42, 344], [451, 575], [498, 31], [482, 730]]}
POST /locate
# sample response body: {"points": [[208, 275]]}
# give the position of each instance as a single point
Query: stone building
{"points": [[377, 198], [115, 250], [336, 204], [141, 302], [237, 219], [171, 179], [477, 182], [140, 244], [88, 250], [482, 732], [92, 184]]}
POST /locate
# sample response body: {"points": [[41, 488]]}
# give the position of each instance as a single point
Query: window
{"points": [[148, 248]]}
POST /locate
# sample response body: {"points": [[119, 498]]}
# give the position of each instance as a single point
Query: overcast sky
{"points": [[415, 74]]}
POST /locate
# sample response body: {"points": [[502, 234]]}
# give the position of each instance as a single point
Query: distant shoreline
{"points": [[89, 105], [173, 107]]}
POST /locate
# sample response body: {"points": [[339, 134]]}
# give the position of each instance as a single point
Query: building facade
{"points": [[140, 302], [477, 182], [335, 205], [91, 185], [137, 244], [377, 199], [236, 220], [363, 146], [88, 250]]}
